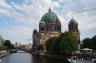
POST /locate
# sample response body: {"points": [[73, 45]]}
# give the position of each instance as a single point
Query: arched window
{"points": [[42, 28]]}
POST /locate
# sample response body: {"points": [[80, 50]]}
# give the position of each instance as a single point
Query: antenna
{"points": [[72, 15]]}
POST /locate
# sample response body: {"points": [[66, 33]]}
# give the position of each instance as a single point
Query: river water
{"points": [[29, 58]]}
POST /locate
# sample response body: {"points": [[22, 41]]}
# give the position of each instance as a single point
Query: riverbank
{"points": [[2, 54]]}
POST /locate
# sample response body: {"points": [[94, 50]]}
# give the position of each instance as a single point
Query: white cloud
{"points": [[4, 8], [87, 20], [54, 4], [18, 33], [4, 4], [26, 13], [32, 13], [89, 3], [61, 1]]}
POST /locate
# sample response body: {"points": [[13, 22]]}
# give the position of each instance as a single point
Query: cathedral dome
{"points": [[35, 31], [50, 17], [72, 21], [42, 22]]}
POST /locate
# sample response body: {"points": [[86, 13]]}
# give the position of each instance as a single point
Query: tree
{"points": [[12, 46], [68, 42], [8, 44], [65, 43], [3, 47], [89, 43], [93, 40], [40, 47], [51, 45]]}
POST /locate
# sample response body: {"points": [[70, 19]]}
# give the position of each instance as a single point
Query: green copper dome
{"points": [[35, 31], [72, 21], [50, 17], [42, 22]]}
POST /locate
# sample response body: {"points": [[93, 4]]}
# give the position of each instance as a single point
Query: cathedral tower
{"points": [[36, 39], [73, 27]]}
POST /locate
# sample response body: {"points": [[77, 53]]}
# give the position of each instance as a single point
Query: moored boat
{"points": [[12, 51]]}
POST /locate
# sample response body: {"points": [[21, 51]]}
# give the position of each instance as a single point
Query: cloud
{"points": [[88, 3], [26, 13], [26, 10], [4, 4], [54, 4], [31, 11], [86, 22], [18, 33]]}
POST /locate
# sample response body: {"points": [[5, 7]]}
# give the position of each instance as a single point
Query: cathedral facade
{"points": [[50, 26]]}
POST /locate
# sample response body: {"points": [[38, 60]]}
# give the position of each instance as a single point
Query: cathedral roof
{"points": [[50, 17], [72, 21], [35, 31], [42, 22]]}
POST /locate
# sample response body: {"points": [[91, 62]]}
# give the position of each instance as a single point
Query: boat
{"points": [[93, 60], [79, 61], [12, 51]]}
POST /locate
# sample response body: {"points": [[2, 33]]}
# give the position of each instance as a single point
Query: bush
{"points": [[3, 47], [40, 47]]}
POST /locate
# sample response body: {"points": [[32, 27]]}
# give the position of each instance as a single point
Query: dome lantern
{"points": [[49, 9]]}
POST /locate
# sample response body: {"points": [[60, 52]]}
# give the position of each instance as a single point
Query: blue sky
{"points": [[18, 18]]}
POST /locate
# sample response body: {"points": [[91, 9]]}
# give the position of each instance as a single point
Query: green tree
{"points": [[93, 40], [87, 43], [12, 46], [68, 42], [40, 47], [8, 44], [65, 43], [3, 47], [51, 45]]}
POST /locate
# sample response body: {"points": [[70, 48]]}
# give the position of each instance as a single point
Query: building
{"points": [[50, 26], [36, 39], [26, 47], [73, 27], [17, 45], [1, 41]]}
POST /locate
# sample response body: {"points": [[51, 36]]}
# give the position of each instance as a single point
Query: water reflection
{"points": [[28, 58], [18, 58], [39, 59]]}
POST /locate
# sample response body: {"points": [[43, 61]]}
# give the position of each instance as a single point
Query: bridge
{"points": [[19, 50]]}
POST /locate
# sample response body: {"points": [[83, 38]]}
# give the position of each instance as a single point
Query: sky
{"points": [[18, 18]]}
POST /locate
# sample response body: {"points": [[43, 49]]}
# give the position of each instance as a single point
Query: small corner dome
{"points": [[72, 21], [35, 31], [50, 17], [42, 22]]}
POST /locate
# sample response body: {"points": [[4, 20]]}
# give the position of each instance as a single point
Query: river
{"points": [[29, 58]]}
